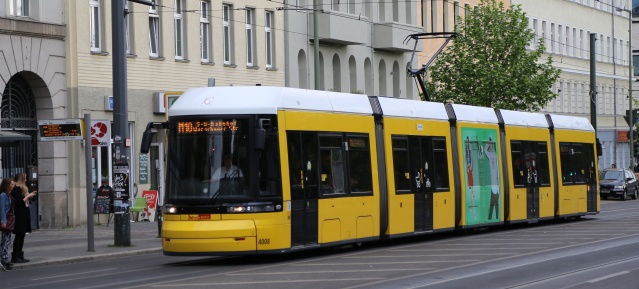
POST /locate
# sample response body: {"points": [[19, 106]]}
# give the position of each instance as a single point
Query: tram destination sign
{"points": [[60, 129]]}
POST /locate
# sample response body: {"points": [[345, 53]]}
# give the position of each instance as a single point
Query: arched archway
{"points": [[352, 69], [322, 81], [409, 86], [368, 77], [302, 70], [396, 89], [382, 78], [337, 73], [18, 113]]}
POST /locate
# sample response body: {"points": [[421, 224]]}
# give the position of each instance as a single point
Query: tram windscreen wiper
{"points": [[224, 182]]}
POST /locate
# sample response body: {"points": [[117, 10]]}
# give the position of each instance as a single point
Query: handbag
{"points": [[11, 223]]}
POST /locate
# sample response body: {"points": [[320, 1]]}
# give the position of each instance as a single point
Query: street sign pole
{"points": [[122, 227]]}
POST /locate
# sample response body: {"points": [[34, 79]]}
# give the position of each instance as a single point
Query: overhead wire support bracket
{"points": [[419, 73]]}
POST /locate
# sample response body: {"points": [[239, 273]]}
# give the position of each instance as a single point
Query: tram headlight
{"points": [[169, 209], [253, 208]]}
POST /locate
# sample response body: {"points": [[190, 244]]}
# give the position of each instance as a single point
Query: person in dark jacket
{"points": [[22, 199], [6, 205]]}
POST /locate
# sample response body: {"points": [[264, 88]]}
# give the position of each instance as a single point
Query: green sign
{"points": [[144, 168]]}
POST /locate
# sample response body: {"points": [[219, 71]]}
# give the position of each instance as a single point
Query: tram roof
{"points": [[265, 100], [571, 122], [522, 118], [412, 108], [474, 113]]}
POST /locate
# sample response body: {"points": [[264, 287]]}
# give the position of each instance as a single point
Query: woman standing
{"points": [[22, 199], [6, 204]]}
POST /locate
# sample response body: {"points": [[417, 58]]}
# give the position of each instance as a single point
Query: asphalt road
{"points": [[594, 252]]}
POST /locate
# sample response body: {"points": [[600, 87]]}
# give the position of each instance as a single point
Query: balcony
{"points": [[341, 29], [390, 36]]}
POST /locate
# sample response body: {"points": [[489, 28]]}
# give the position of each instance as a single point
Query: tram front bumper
{"points": [[208, 237]]}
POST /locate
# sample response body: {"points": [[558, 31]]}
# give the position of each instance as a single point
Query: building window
{"points": [[560, 41], [552, 37], [154, 30], [96, 26], [20, 7], [543, 35], [456, 11], [574, 42], [250, 47], [581, 43], [568, 50], [268, 25], [178, 20], [226, 26], [205, 32]]}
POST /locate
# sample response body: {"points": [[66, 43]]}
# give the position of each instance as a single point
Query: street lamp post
{"points": [[631, 121]]}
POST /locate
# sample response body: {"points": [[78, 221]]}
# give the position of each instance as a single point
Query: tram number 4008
{"points": [[263, 241]]}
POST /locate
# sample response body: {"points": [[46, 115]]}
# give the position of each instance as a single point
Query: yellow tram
{"points": [[254, 170]]}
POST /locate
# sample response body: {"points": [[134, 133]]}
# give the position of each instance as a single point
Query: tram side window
{"points": [[401, 165], [332, 165], [359, 165], [526, 155], [440, 164], [517, 157], [269, 174], [420, 163], [303, 167], [578, 168], [543, 167], [576, 160], [295, 166]]}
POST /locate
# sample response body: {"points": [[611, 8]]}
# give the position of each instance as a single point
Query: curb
{"points": [[71, 260]]}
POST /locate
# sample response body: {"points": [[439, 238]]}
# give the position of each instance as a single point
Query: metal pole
{"points": [[630, 120], [315, 48], [121, 221], [593, 81], [88, 167]]}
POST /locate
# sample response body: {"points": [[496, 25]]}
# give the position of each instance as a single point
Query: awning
{"points": [[11, 138]]}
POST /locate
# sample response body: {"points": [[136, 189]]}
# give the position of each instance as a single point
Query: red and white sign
{"points": [[151, 201], [100, 133]]}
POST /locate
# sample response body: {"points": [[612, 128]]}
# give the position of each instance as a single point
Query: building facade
{"points": [[171, 46], [565, 26], [58, 65], [33, 86], [361, 46]]}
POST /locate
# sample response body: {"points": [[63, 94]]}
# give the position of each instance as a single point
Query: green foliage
{"points": [[488, 64]]}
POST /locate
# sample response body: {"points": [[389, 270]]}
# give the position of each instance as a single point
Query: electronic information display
{"points": [[63, 129]]}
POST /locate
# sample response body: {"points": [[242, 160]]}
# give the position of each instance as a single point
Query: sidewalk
{"points": [[46, 247]]}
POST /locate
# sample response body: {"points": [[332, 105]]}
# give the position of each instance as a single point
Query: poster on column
{"points": [[151, 205]]}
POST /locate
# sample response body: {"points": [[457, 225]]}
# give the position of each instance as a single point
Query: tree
{"points": [[488, 63]]}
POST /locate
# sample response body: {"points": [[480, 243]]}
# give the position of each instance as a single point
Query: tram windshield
{"points": [[212, 160]]}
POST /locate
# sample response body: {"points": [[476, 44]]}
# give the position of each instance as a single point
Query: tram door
{"points": [[421, 162], [303, 175], [532, 191]]}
